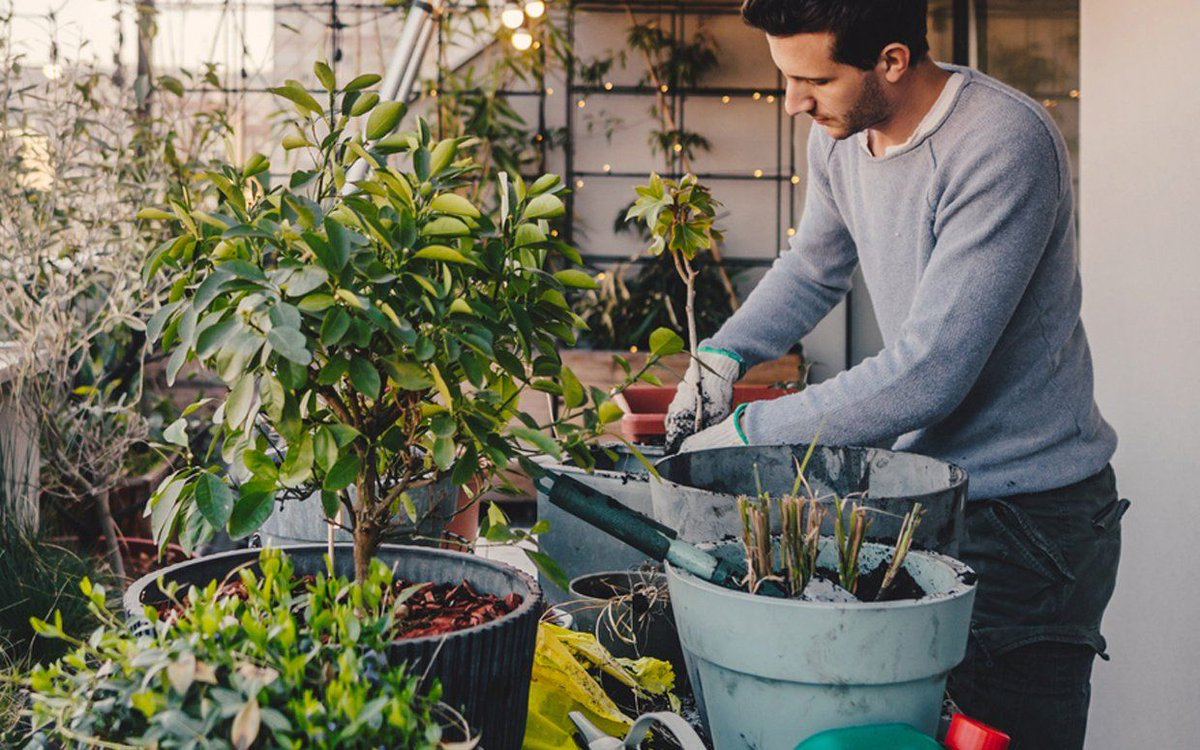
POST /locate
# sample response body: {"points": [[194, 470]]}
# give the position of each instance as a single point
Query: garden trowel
{"points": [[648, 536]]}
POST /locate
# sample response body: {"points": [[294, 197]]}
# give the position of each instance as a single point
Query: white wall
{"points": [[1140, 210]]}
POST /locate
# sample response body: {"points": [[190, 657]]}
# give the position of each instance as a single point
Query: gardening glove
{"points": [[724, 434], [718, 369]]}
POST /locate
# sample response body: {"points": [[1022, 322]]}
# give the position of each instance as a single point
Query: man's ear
{"points": [[894, 61]]}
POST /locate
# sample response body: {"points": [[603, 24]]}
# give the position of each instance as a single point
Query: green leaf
{"points": [[445, 226], [664, 341], [297, 467], [176, 434], [609, 412], [543, 183], [442, 253], [295, 93], [384, 119], [260, 464], [364, 104], [325, 448], [240, 400], [325, 75], [454, 204], [363, 81], [365, 377], [306, 280], [343, 473], [545, 206], [250, 511], [443, 453], [329, 503], [408, 376], [544, 442], [214, 499], [291, 344], [155, 214], [442, 155], [315, 303], [573, 393], [550, 568], [573, 277], [335, 325]]}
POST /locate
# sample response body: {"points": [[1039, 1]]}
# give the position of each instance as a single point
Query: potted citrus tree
{"points": [[375, 337]]}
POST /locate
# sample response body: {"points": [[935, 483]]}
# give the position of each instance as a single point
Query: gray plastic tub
{"points": [[768, 673]]}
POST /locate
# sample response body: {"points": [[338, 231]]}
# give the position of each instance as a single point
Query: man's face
{"points": [[841, 98]]}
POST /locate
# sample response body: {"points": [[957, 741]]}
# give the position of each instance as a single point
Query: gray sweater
{"points": [[966, 238]]}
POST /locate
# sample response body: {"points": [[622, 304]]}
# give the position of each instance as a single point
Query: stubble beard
{"points": [[870, 109]]}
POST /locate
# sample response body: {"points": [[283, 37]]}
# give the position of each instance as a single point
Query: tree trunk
{"points": [[109, 527], [366, 542]]}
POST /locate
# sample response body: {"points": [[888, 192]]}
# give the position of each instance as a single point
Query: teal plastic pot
{"points": [[769, 673]]}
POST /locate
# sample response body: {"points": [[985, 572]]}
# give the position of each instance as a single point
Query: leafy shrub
{"points": [[282, 667]]}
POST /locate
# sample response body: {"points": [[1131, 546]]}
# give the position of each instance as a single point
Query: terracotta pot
{"points": [[645, 407]]}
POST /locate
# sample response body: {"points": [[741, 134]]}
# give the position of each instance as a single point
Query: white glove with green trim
{"points": [[708, 388], [724, 434]]}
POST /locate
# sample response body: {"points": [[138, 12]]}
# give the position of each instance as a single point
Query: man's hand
{"points": [[707, 388], [726, 433]]}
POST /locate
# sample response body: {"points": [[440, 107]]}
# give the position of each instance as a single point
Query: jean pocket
{"points": [[1024, 579]]}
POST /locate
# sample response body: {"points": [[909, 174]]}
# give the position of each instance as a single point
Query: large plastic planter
{"points": [[645, 407], [484, 670], [698, 493], [768, 673]]}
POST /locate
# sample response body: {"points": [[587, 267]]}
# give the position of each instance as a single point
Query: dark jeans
{"points": [[1047, 565]]}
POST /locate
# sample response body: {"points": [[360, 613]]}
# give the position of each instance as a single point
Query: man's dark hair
{"points": [[860, 28]]}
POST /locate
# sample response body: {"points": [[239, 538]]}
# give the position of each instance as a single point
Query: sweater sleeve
{"points": [[994, 215], [805, 282]]}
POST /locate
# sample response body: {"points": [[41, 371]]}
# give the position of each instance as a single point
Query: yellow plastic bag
{"points": [[562, 683]]}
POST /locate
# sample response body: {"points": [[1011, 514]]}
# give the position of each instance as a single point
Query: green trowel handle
{"points": [[639, 531]]}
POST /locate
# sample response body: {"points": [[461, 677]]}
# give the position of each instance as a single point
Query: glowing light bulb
{"points": [[678, 147], [791, 231], [725, 99], [771, 99], [522, 40], [549, 91], [579, 184], [795, 179], [758, 173], [512, 17], [52, 71], [756, 96], [608, 85], [633, 350], [664, 88], [601, 276], [581, 103], [607, 167], [535, 8], [1073, 93]]}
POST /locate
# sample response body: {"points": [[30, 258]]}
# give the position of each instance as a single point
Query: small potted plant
{"points": [[680, 216], [375, 337]]}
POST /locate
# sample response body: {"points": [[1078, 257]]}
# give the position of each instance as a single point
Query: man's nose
{"points": [[797, 100]]}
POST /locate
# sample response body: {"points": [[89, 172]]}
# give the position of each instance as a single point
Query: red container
{"points": [[645, 407], [966, 733]]}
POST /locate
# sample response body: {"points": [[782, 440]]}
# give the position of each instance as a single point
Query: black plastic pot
{"points": [[484, 670]]}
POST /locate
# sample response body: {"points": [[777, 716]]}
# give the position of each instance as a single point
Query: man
{"points": [[953, 193]]}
